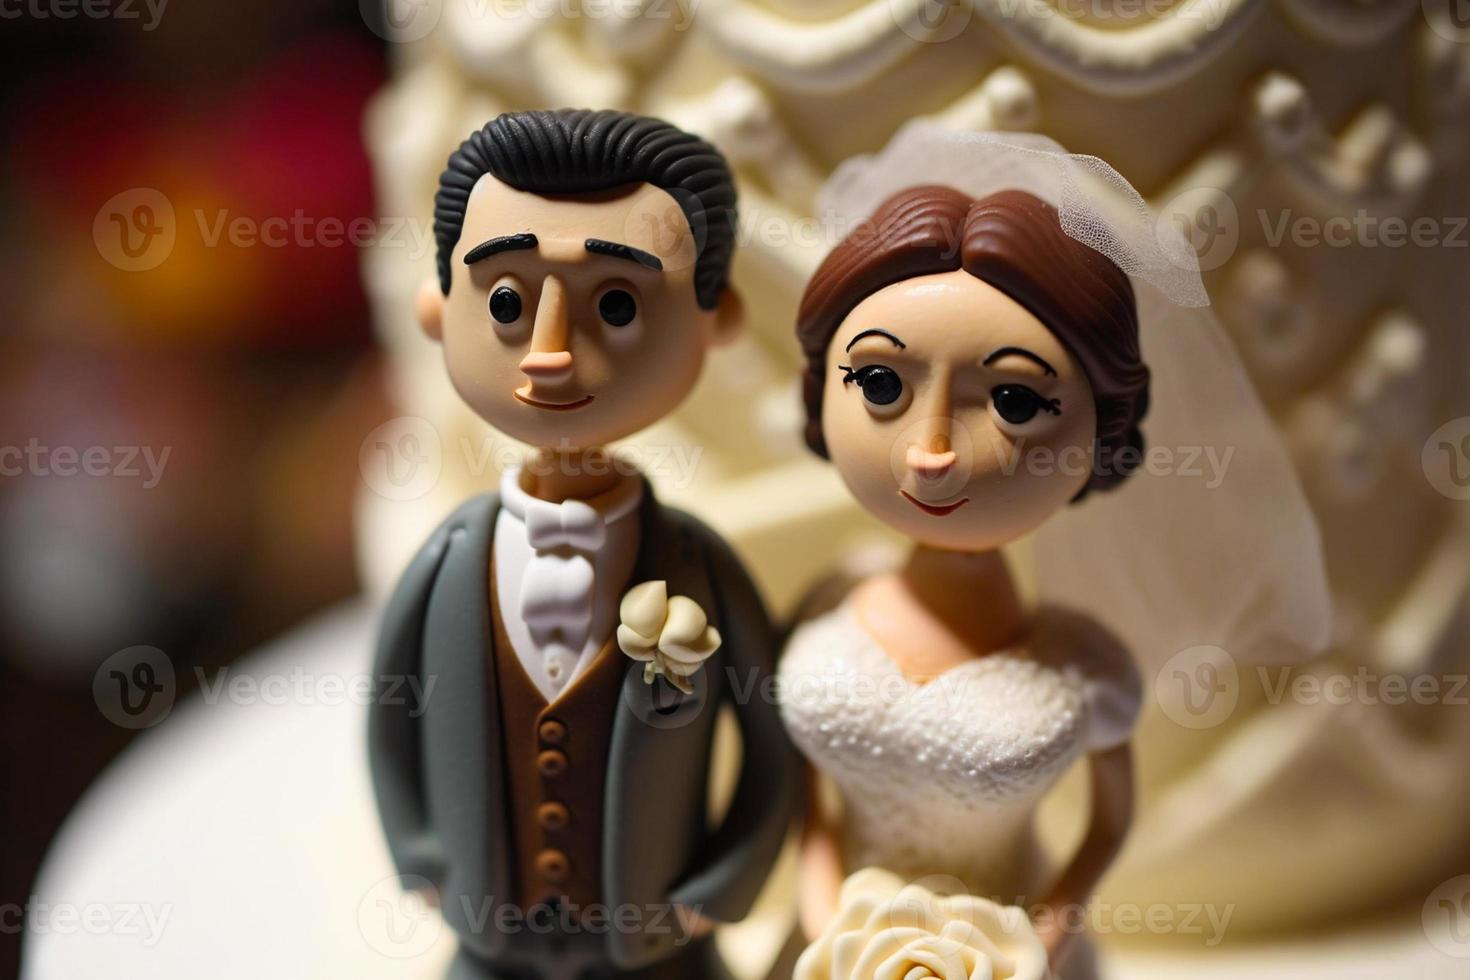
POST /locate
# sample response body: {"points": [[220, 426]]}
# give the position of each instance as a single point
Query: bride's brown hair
{"points": [[1014, 241]]}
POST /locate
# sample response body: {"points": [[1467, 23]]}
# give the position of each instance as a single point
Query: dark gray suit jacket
{"points": [[438, 776]]}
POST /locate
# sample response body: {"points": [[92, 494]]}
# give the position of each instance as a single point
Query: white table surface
{"points": [[238, 839]]}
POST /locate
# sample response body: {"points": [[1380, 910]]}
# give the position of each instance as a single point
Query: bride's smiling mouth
{"points": [[935, 509], [553, 406]]}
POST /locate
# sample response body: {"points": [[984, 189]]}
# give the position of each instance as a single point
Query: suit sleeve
{"points": [[739, 855], [394, 738]]}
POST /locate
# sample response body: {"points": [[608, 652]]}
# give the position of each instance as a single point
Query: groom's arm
{"points": [[394, 739], [739, 855]]}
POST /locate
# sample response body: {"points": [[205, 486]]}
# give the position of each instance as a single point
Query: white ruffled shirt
{"points": [[560, 571]]}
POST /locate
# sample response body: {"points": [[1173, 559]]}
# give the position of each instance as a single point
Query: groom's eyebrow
{"points": [[620, 251], [494, 246]]}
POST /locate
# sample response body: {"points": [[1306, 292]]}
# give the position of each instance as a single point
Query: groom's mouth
{"points": [[553, 406], [937, 510]]}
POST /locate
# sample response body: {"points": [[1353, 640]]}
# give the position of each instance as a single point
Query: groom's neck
{"points": [[570, 474]]}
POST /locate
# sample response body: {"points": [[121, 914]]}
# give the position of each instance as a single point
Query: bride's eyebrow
{"points": [[1020, 352], [875, 332]]}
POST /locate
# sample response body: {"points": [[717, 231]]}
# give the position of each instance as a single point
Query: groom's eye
{"points": [[505, 305], [617, 307]]}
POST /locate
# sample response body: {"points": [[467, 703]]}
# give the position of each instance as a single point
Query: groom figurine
{"points": [[582, 638]]}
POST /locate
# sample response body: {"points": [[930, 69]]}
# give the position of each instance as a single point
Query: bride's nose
{"points": [[934, 462], [931, 455]]}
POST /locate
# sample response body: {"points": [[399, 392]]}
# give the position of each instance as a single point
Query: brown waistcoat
{"points": [[555, 768]]}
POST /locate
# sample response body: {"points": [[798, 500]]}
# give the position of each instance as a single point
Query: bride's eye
{"points": [[1018, 404], [881, 386]]}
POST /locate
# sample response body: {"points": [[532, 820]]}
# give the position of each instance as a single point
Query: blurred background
{"points": [[213, 216], [246, 374]]}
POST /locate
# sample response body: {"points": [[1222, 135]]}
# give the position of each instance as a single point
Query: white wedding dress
{"points": [[940, 780]]}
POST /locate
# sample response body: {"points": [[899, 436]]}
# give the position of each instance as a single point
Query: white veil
{"points": [[1211, 542]]}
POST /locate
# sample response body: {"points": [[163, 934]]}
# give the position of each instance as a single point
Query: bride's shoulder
{"points": [[829, 628], [1083, 649]]}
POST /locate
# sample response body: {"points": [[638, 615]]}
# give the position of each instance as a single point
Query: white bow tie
{"points": [[556, 592], [574, 524], [557, 585]]}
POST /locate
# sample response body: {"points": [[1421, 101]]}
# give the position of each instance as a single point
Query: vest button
{"points": [[552, 732], [551, 763], [553, 866], [552, 816]]}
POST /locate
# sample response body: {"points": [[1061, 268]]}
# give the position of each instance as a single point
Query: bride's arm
{"points": [[1112, 813], [820, 874]]}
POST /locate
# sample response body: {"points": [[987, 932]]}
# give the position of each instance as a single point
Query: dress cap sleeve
{"points": [[1112, 688]]}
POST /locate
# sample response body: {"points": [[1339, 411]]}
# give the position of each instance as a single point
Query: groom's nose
{"points": [[550, 358]]}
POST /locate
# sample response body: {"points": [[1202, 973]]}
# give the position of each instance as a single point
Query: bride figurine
{"points": [[982, 350]]}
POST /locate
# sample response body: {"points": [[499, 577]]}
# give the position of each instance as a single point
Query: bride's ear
{"points": [[428, 308]]}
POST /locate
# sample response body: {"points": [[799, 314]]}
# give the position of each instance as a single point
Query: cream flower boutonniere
{"points": [[670, 635]]}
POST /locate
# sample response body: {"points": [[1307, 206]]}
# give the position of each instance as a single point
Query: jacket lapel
{"points": [[670, 554], [657, 771]]}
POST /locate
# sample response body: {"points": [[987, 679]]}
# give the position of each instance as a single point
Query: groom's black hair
{"points": [[570, 151]]}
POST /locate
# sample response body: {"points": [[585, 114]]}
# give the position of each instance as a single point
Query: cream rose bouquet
{"points": [[885, 929]]}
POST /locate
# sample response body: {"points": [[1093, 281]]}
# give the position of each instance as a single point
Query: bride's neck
{"points": [[971, 593]]}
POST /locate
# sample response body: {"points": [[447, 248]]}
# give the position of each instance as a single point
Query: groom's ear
{"points": [[428, 308], [729, 318]]}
